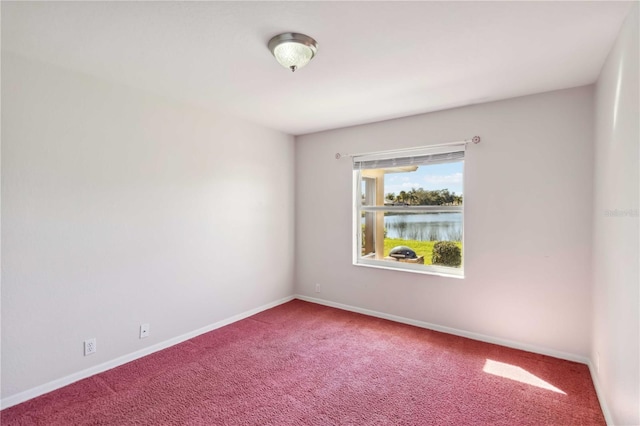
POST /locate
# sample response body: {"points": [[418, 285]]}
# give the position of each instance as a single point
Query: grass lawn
{"points": [[422, 248]]}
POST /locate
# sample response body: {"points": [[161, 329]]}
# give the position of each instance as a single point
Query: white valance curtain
{"points": [[410, 157]]}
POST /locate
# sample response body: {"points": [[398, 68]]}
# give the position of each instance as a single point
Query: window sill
{"points": [[414, 269]]}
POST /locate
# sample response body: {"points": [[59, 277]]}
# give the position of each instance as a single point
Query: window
{"points": [[408, 210]]}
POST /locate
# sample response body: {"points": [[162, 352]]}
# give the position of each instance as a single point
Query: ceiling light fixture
{"points": [[293, 50]]}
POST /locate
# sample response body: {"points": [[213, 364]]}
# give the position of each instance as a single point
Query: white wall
{"points": [[616, 253], [528, 198], [121, 208]]}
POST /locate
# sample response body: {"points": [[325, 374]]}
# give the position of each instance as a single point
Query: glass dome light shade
{"points": [[293, 55], [292, 50]]}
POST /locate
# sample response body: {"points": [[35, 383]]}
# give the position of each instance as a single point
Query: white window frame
{"points": [[406, 156]]}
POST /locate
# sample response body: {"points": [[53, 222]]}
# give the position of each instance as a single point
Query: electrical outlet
{"points": [[90, 346], [145, 329], [598, 362], [317, 288]]}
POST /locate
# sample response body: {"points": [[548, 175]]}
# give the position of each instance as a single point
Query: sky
{"points": [[438, 176]]}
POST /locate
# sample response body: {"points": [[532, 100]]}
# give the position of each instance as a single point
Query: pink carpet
{"points": [[306, 364]]}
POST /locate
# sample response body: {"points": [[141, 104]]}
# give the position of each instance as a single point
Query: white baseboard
{"points": [[449, 330], [600, 394], [64, 381], [67, 380]]}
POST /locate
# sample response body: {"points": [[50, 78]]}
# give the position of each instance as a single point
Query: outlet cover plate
{"points": [[90, 346], [145, 329]]}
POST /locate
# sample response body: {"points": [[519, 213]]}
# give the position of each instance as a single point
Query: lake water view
{"points": [[424, 226]]}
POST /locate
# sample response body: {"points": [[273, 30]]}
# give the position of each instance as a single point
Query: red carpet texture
{"points": [[307, 364]]}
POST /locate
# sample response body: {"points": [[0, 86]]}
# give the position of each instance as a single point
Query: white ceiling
{"points": [[375, 61]]}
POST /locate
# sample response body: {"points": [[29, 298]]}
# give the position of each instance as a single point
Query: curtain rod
{"points": [[475, 140]]}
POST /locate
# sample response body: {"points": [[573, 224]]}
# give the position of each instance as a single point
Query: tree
{"points": [[422, 197], [402, 197], [413, 196]]}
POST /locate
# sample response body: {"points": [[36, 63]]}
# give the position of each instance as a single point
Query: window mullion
{"points": [[412, 209]]}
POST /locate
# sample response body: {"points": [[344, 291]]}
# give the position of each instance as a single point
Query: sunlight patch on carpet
{"points": [[518, 374]]}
